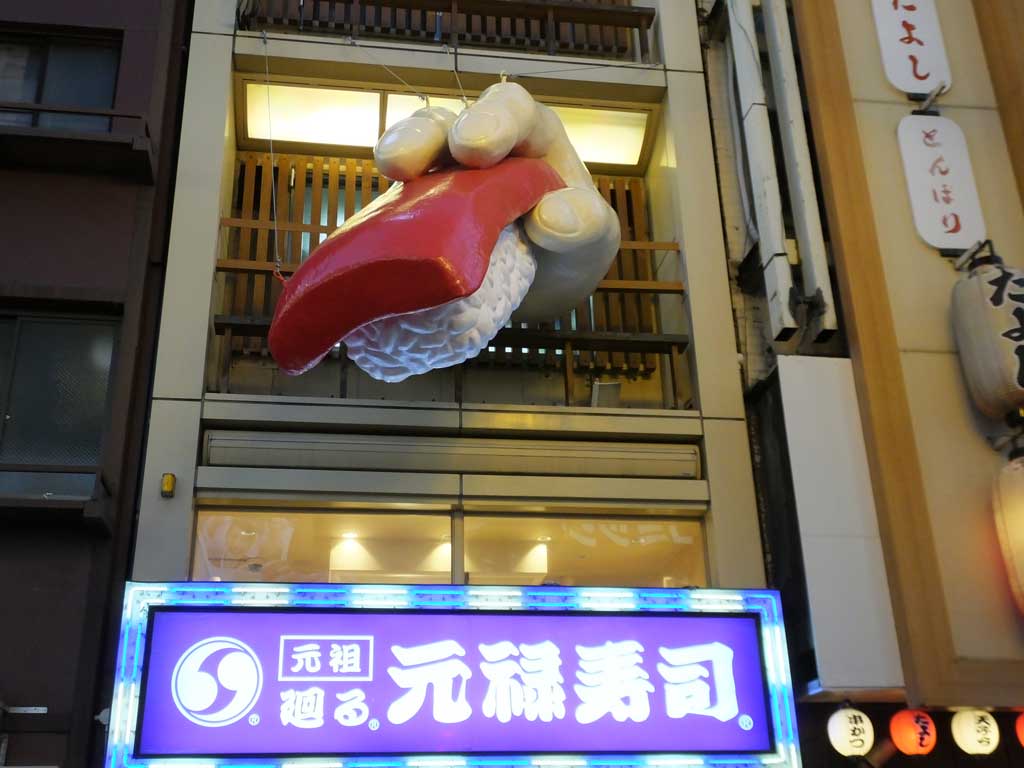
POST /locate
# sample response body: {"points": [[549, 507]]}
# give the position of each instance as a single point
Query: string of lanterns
{"points": [[913, 732]]}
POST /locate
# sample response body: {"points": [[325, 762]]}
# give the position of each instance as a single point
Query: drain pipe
{"points": [[802, 195], [764, 181]]}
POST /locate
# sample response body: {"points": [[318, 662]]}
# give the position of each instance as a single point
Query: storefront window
{"points": [[322, 547], [386, 547], [584, 552]]}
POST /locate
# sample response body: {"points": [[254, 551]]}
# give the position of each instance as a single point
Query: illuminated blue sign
{"points": [[381, 676]]}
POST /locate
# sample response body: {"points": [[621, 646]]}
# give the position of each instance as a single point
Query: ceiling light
{"points": [[350, 535], [312, 115], [608, 136], [543, 539]]}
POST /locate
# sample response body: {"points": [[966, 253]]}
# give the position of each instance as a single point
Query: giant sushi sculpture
{"points": [[495, 217]]}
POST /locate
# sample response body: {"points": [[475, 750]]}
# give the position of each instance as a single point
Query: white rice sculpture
{"points": [[542, 265]]}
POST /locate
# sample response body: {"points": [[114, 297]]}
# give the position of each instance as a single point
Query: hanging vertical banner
{"points": [[913, 51], [943, 196]]}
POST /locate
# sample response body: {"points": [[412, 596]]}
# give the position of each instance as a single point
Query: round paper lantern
{"points": [[1020, 728], [988, 334], [975, 732], [850, 732], [913, 732], [1008, 508]]}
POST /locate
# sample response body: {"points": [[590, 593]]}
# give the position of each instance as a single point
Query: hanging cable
{"points": [[455, 71], [273, 187], [349, 40]]}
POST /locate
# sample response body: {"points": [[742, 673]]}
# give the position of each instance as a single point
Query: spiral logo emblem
{"points": [[216, 681]]}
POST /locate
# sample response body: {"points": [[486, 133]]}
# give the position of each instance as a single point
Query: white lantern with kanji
{"points": [[850, 732], [975, 732], [988, 322]]}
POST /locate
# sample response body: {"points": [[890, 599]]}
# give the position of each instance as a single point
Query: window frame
{"points": [[456, 515], [6, 385], [44, 40]]}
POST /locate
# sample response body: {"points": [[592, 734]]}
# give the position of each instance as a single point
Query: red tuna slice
{"points": [[416, 247]]}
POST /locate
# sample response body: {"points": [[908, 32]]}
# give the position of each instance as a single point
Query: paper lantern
{"points": [[975, 732], [1020, 728], [850, 732], [988, 322], [913, 732], [1008, 508]]}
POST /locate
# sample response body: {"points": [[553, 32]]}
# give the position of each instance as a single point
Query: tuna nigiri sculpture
{"points": [[495, 217]]}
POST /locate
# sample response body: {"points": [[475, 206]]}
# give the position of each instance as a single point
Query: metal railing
{"points": [[603, 28], [139, 125]]}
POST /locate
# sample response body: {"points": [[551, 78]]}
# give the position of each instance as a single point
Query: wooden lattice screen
{"points": [[313, 195], [603, 28]]}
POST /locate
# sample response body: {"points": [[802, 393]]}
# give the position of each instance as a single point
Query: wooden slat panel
{"points": [[583, 323], [258, 285], [299, 207], [351, 180], [316, 200], [644, 262], [246, 234], [282, 238], [613, 302], [333, 170], [366, 184], [627, 268], [623, 302]]}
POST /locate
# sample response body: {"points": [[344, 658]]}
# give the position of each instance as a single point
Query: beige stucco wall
{"points": [[957, 464]]}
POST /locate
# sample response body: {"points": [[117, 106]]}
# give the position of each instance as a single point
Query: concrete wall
{"points": [[957, 464]]}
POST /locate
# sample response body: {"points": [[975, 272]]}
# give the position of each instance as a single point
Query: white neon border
{"points": [[139, 597]]}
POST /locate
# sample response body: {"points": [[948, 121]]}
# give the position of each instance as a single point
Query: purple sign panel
{"points": [[289, 683]]}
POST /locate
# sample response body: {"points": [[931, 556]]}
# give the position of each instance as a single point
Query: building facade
{"points": [[88, 135], [764, 390], [499, 472]]}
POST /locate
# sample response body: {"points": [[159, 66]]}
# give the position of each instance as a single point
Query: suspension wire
{"points": [[455, 70], [273, 186], [349, 40]]}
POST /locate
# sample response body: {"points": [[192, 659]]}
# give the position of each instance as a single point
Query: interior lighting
{"points": [[608, 136], [312, 115], [975, 732], [913, 732], [850, 732]]}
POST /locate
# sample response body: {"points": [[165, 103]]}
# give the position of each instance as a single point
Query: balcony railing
{"points": [[609, 29], [82, 139], [614, 333]]}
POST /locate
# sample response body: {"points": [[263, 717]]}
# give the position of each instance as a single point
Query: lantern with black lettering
{"points": [[913, 732], [988, 322], [850, 732], [975, 732]]}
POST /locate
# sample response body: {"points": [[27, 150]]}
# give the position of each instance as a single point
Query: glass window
{"points": [[79, 76], [54, 389], [584, 552], [322, 547], [20, 68], [63, 72]]}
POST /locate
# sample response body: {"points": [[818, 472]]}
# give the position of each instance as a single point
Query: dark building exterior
{"points": [[89, 118]]}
